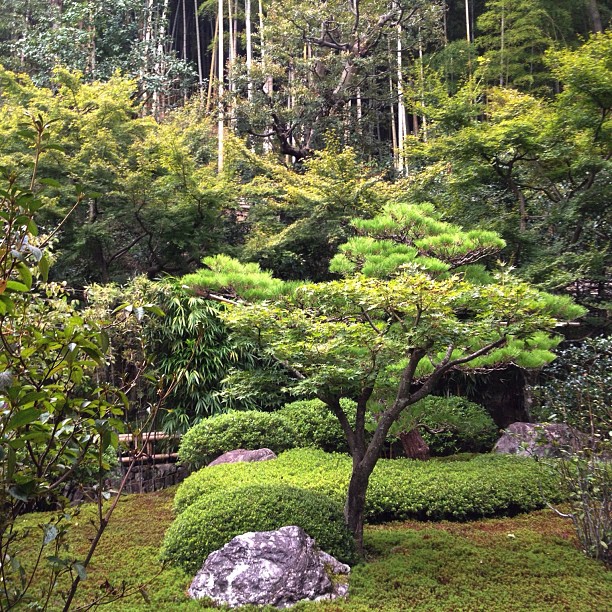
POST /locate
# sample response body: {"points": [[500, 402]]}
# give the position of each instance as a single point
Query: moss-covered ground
{"points": [[528, 562]]}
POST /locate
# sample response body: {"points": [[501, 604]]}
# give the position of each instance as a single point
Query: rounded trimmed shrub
{"points": [[215, 518], [468, 427], [399, 489], [313, 424], [219, 434]]}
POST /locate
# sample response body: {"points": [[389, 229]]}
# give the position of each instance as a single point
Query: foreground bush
{"points": [[399, 489], [250, 429], [220, 515]]}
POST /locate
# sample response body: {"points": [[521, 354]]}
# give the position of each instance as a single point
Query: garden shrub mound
{"points": [[399, 489], [466, 427], [313, 424], [219, 515], [249, 429]]}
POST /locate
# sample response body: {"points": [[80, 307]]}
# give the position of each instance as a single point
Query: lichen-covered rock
{"points": [[240, 454], [278, 567], [540, 439]]}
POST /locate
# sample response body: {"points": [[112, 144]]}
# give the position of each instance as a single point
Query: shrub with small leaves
{"points": [[487, 485], [314, 424], [455, 425], [577, 387], [219, 434], [220, 515]]}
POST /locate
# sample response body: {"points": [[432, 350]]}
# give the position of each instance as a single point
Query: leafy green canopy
{"points": [[533, 169], [385, 341], [340, 337]]}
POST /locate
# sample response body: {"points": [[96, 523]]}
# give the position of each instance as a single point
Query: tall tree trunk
{"points": [[159, 67], [414, 446], [220, 121], [401, 111], [147, 39], [468, 30], [422, 75], [594, 16], [393, 123], [213, 66], [249, 47], [184, 46], [184, 11], [502, 45], [269, 84], [199, 49]]}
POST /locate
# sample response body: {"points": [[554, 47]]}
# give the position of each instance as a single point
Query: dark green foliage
{"points": [[299, 424], [577, 387], [197, 356], [399, 488], [217, 517], [466, 426], [250, 429], [314, 425], [192, 344]]}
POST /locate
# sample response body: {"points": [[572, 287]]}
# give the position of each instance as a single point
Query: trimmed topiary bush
{"points": [[468, 427], [218, 516], [313, 424], [225, 432], [399, 489]]}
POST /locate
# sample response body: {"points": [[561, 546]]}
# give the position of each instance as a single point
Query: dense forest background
{"points": [[168, 131]]}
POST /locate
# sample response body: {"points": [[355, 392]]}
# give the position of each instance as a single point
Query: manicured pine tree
{"points": [[412, 305]]}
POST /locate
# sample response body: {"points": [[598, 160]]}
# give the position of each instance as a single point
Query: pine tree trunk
{"points": [[414, 445]]}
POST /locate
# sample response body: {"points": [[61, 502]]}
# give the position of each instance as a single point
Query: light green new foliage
{"points": [[229, 276], [407, 233], [399, 488], [385, 340]]}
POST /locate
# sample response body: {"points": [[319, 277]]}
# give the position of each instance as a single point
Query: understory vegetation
{"points": [[450, 425]]}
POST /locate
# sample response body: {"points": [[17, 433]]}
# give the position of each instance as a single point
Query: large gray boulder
{"points": [[278, 567], [240, 454], [540, 440]]}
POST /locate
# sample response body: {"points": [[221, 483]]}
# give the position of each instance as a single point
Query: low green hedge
{"points": [[467, 428], [399, 489], [220, 515], [249, 429]]}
